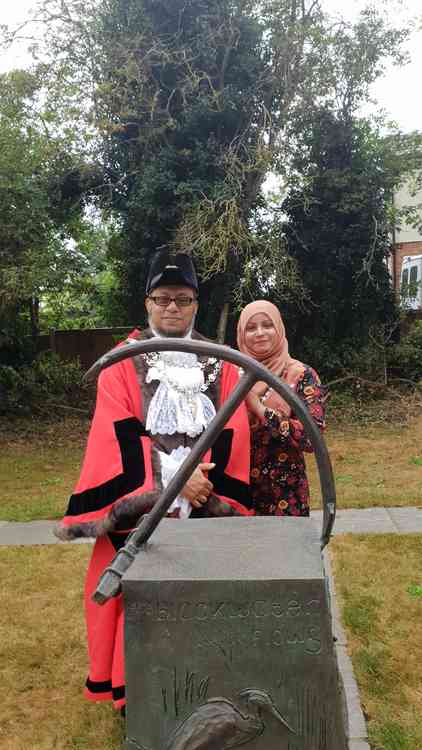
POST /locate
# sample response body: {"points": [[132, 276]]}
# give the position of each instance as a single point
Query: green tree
{"points": [[338, 229], [91, 298], [26, 228], [193, 104], [42, 209], [189, 100], [193, 97]]}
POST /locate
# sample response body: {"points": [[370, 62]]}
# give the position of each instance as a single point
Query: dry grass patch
{"points": [[43, 655], [374, 466], [378, 581]]}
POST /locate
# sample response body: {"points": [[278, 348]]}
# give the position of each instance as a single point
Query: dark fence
{"points": [[86, 344]]}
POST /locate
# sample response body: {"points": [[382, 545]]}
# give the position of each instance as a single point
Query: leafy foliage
{"points": [[189, 101], [37, 386], [338, 230], [405, 357], [40, 218], [184, 98], [180, 111]]}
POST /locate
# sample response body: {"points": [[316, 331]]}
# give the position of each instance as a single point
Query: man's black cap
{"points": [[171, 269]]}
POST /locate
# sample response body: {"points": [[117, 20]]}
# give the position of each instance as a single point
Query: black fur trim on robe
{"points": [[128, 431]]}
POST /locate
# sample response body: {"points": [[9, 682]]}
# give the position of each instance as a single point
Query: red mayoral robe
{"points": [[120, 479]]}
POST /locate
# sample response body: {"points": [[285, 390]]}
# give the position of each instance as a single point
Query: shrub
{"points": [[57, 376], [348, 358], [11, 387], [38, 386], [405, 358], [382, 358]]}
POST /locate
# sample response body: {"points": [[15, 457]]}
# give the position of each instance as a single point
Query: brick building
{"points": [[407, 241]]}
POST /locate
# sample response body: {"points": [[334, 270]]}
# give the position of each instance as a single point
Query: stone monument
{"points": [[228, 639]]}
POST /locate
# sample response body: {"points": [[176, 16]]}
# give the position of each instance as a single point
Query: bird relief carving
{"points": [[219, 724]]}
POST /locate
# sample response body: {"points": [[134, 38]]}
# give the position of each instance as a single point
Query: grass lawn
{"points": [[43, 659], [39, 468], [373, 467], [43, 655], [379, 586]]}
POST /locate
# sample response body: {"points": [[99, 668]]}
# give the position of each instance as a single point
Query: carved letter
{"points": [[277, 609], [185, 606], [313, 641], [146, 609], [245, 612], [218, 612], [294, 637], [293, 608], [259, 608], [277, 638], [256, 637], [202, 611], [162, 611]]}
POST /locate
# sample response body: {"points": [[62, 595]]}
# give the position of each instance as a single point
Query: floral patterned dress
{"points": [[278, 473]]}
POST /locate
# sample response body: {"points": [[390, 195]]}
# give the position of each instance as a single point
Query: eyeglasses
{"points": [[180, 301]]}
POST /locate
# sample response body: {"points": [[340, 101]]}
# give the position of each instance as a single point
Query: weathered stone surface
{"points": [[215, 608]]}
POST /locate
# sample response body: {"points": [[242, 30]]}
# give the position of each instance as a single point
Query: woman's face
{"points": [[260, 334]]}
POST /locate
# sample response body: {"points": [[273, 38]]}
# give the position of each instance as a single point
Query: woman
{"points": [[278, 473]]}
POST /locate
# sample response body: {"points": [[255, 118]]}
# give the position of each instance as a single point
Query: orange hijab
{"points": [[278, 360]]}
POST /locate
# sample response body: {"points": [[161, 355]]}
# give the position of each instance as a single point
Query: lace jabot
{"points": [[179, 403]]}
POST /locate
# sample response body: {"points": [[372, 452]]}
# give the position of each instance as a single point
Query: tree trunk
{"points": [[34, 307], [222, 324]]}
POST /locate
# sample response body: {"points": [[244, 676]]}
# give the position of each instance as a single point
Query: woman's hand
{"points": [[255, 405], [198, 486]]}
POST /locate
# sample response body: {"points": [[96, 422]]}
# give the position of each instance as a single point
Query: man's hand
{"points": [[198, 487]]}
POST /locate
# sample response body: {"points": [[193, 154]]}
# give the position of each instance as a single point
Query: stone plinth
{"points": [[236, 610]]}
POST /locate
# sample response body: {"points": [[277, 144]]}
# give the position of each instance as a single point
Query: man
{"points": [[150, 411]]}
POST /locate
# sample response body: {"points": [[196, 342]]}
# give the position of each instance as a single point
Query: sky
{"points": [[396, 92]]}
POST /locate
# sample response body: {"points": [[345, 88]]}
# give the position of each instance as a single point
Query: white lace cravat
{"points": [[179, 404]]}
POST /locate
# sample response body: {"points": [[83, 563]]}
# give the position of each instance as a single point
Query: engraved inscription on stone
{"points": [[259, 624]]}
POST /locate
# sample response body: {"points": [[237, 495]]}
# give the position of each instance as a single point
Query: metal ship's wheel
{"points": [[109, 584]]}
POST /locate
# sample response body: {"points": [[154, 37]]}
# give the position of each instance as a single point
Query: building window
{"points": [[405, 282], [413, 282]]}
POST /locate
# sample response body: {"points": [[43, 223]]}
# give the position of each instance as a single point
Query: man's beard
{"points": [[169, 334], [172, 334]]}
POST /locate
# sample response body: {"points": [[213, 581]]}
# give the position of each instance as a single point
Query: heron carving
{"points": [[219, 724]]}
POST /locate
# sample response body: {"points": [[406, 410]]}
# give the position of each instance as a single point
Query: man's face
{"points": [[172, 319]]}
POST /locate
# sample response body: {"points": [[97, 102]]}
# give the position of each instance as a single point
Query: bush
{"points": [[38, 386], [383, 357], [57, 376], [405, 358], [17, 348], [348, 358], [11, 385]]}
